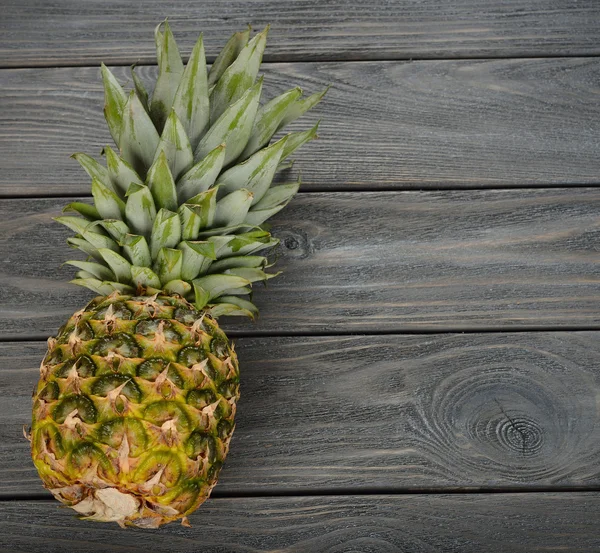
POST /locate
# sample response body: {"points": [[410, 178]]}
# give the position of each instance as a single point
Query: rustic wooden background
{"points": [[425, 375]]}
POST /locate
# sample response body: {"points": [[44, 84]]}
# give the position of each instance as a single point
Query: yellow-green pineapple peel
{"points": [[135, 406]]}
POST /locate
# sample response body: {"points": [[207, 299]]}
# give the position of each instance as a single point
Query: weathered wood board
{"points": [[494, 523], [365, 262], [399, 412], [71, 32], [386, 125]]}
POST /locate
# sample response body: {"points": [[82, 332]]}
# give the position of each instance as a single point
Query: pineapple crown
{"points": [[180, 207]]}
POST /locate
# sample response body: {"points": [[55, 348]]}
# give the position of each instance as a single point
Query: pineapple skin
{"points": [[134, 409]]}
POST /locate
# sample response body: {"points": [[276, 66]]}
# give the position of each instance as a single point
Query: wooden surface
{"points": [[385, 125], [356, 262], [433, 343], [494, 523], [383, 413], [69, 32]]}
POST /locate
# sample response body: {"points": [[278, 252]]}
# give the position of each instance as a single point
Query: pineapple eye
{"points": [[202, 445], [224, 429], [213, 471], [112, 433], [121, 344], [186, 316], [50, 392], [219, 347], [83, 364], [149, 327], [191, 355], [200, 398], [150, 369], [86, 455], [229, 389], [84, 406], [119, 311], [162, 411], [106, 384], [50, 437]]}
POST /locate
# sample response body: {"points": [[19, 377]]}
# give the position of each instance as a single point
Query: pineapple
{"points": [[135, 406]]}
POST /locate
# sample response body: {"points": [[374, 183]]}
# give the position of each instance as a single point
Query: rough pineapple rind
{"points": [[134, 409]]}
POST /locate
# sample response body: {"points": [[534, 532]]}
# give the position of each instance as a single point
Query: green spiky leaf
{"points": [[228, 55], [166, 231], [238, 77], [176, 147], [115, 100], [108, 204], [268, 119], [140, 209], [202, 175], [191, 99], [168, 264], [232, 209], [233, 128], [137, 250], [139, 137], [121, 173], [161, 183]]}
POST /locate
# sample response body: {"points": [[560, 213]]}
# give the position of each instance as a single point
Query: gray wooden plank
{"points": [[498, 523], [382, 412], [385, 125], [70, 32], [365, 262]]}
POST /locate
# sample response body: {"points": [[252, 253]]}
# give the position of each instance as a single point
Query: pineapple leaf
{"points": [[175, 145], [268, 119], [118, 264], [232, 209], [166, 232], [238, 77], [191, 99], [140, 210], [95, 269], [278, 195], [300, 107], [115, 227], [215, 285], [297, 139], [161, 184], [94, 169], [137, 250], [255, 174], [233, 306], [76, 224], [204, 205], [144, 276], [103, 288], [85, 247], [197, 257], [115, 100], [139, 137], [168, 264], [177, 287], [140, 89], [108, 204], [202, 175], [253, 261], [251, 274], [121, 173], [85, 210], [233, 127], [170, 70], [228, 55]]}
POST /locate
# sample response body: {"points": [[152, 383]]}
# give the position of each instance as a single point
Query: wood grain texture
{"points": [[386, 125], [383, 412], [499, 523], [373, 261], [71, 32]]}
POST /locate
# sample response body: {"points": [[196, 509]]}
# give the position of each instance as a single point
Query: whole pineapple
{"points": [[135, 406]]}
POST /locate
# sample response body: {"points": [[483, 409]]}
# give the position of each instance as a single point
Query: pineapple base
{"points": [[134, 409]]}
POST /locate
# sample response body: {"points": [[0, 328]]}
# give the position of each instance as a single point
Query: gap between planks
{"points": [[347, 492], [329, 59]]}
